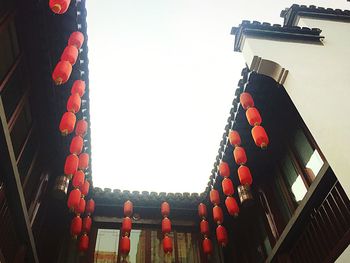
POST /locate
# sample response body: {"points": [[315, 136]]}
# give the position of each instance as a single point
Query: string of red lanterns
{"points": [[207, 245], [221, 233], [166, 228], [254, 119], [228, 189], [126, 229], [83, 245]]}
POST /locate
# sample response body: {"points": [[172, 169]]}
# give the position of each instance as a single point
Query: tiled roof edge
{"points": [[264, 29], [290, 14]]}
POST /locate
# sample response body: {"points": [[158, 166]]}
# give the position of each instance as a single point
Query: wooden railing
{"points": [[328, 230]]}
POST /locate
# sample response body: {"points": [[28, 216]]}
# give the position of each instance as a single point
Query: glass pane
{"points": [[281, 201], [21, 128], [6, 55], [157, 253], [309, 156], [293, 180], [13, 92], [106, 249], [27, 156], [187, 248], [137, 247]]}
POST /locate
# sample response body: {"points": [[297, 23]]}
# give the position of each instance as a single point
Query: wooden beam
{"points": [[12, 179]]}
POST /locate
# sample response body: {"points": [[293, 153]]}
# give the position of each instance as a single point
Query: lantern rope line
{"points": [[166, 229], [207, 245], [221, 233], [126, 229]]}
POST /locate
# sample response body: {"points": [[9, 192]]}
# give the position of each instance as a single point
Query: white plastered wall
{"points": [[318, 83]]}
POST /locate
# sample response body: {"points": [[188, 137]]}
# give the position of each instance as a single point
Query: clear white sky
{"points": [[162, 78]]}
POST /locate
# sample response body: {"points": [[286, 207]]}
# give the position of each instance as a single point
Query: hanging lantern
{"points": [[221, 235], [87, 222], [74, 103], [83, 243], [125, 245], [81, 207], [76, 39], [128, 208], [246, 100], [70, 54], [202, 210], [224, 169], [67, 123], [207, 246], [260, 137], [214, 197], [81, 128], [71, 165], [244, 175], [204, 226], [166, 225], [165, 209], [253, 116], [218, 215], [85, 188], [78, 87], [90, 207], [59, 6], [76, 145], [234, 138], [74, 199], [227, 186], [76, 226], [240, 155], [83, 161], [167, 245], [62, 72], [232, 206], [126, 226]]}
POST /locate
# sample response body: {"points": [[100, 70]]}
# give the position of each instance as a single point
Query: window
{"points": [[107, 243], [21, 128], [9, 49]]}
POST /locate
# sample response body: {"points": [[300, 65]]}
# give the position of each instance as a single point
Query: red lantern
{"points": [[67, 123], [125, 245], [62, 72], [221, 235], [227, 186], [78, 87], [165, 209], [128, 208], [81, 128], [166, 225], [74, 103], [90, 207], [81, 207], [76, 145], [202, 210], [59, 6], [126, 226], [71, 165], [260, 136], [218, 215], [76, 225], [76, 39], [84, 243], [85, 188], [239, 155], [234, 138], [78, 179], [214, 197], [204, 226], [253, 116], [167, 245], [232, 206], [87, 222], [70, 54], [244, 175], [224, 169], [207, 246], [74, 199], [83, 161], [246, 100]]}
